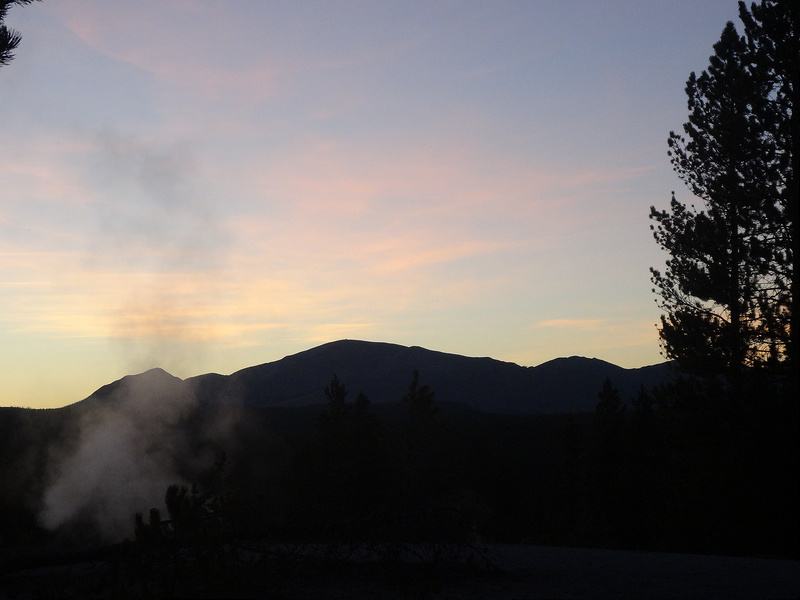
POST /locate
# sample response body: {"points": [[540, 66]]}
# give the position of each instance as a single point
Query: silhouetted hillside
{"points": [[151, 386], [382, 371]]}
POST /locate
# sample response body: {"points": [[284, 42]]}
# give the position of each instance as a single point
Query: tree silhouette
{"points": [[610, 408], [610, 481], [9, 38], [336, 394], [728, 289], [342, 475], [609, 426], [150, 535], [419, 401], [431, 491]]}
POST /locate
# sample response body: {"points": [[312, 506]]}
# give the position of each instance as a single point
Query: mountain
{"points": [[383, 371], [148, 386]]}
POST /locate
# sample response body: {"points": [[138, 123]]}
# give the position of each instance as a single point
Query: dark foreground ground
{"points": [[543, 572], [529, 572], [513, 572]]}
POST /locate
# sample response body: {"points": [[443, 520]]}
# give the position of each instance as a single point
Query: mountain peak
{"points": [[383, 370], [153, 380]]}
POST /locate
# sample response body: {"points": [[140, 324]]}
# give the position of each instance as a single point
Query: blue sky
{"points": [[206, 186]]}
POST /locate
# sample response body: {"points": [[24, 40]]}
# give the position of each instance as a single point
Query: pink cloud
{"points": [[181, 44]]}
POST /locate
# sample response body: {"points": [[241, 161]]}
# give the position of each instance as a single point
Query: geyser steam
{"points": [[125, 457]]}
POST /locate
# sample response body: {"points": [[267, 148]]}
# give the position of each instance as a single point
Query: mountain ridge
{"points": [[383, 371]]}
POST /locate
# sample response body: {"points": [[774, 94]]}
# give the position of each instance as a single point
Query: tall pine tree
{"points": [[728, 288]]}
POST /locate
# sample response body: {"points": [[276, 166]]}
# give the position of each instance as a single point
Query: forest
{"points": [[422, 482]]}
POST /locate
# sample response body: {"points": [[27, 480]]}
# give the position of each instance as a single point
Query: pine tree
{"points": [[342, 474], [419, 401], [728, 287], [9, 39]]}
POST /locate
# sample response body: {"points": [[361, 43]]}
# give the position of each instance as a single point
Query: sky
{"points": [[205, 186]]}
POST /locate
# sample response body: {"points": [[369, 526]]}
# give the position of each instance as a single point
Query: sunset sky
{"points": [[207, 186]]}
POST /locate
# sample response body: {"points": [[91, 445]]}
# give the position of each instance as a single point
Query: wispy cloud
{"points": [[181, 44]]}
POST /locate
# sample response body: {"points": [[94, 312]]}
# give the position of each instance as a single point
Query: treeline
{"points": [[687, 468], [361, 474], [684, 469], [679, 468]]}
